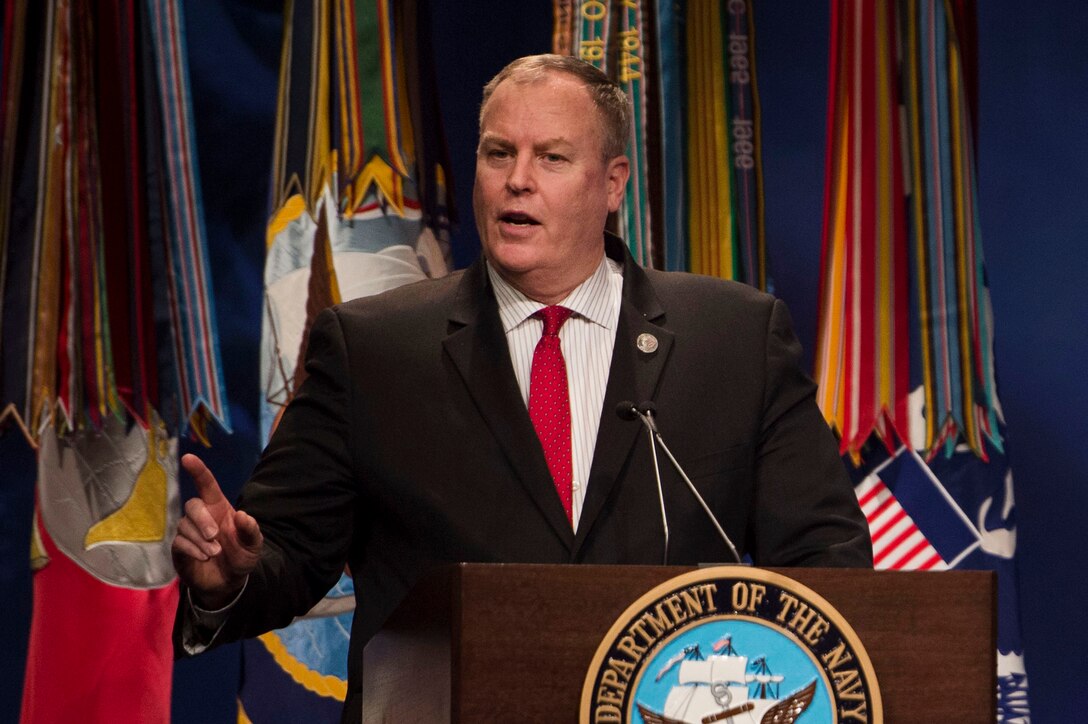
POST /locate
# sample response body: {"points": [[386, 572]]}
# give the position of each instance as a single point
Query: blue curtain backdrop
{"points": [[1033, 162]]}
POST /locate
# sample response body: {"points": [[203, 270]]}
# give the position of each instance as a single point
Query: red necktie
{"points": [[549, 402]]}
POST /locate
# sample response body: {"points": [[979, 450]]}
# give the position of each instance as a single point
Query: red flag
{"points": [[97, 653], [105, 590]]}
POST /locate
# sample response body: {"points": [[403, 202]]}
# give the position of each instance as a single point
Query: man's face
{"points": [[543, 189]]}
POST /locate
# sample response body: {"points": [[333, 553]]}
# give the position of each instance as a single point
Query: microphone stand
{"points": [[645, 412]]}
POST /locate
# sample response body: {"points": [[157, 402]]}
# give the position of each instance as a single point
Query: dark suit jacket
{"points": [[409, 446]]}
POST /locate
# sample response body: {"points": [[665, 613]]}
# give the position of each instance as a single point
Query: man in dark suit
{"points": [[428, 432]]}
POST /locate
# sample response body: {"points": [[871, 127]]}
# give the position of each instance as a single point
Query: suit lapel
{"points": [[477, 346], [633, 376]]}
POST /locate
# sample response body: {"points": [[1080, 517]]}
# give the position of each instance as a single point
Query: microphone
{"points": [[626, 410], [646, 411]]}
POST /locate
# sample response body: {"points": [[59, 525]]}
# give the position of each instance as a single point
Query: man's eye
{"points": [[552, 158], [498, 154]]}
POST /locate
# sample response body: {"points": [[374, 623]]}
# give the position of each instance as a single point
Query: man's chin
{"points": [[514, 258], [512, 269]]}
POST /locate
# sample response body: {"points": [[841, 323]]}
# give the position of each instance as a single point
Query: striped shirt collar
{"points": [[597, 299]]}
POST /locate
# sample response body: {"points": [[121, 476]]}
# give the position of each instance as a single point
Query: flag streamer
{"points": [[745, 146], [196, 336], [636, 214], [694, 201], [956, 329], [880, 234], [862, 359], [673, 213], [79, 247]]}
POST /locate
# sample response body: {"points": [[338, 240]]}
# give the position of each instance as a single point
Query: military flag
{"points": [[108, 344], [905, 352], [360, 204]]}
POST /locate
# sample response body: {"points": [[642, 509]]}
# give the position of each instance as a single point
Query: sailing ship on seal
{"points": [[725, 687]]}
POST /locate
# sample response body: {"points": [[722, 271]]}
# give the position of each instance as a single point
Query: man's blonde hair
{"points": [[609, 98]]}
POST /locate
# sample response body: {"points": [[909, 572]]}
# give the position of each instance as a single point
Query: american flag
{"points": [[914, 523]]}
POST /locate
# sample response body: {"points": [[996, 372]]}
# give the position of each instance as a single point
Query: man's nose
{"points": [[521, 178]]}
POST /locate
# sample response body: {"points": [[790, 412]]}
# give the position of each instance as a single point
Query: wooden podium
{"points": [[513, 642]]}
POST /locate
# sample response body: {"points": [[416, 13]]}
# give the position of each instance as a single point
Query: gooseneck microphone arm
{"points": [[645, 411], [628, 411]]}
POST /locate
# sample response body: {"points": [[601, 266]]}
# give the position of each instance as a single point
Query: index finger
{"points": [[207, 487]]}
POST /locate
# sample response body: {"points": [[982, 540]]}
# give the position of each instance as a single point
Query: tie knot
{"points": [[553, 317]]}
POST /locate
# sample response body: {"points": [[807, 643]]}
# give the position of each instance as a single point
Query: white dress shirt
{"points": [[586, 339]]}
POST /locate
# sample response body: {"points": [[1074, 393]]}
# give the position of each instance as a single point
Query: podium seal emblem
{"points": [[730, 644]]}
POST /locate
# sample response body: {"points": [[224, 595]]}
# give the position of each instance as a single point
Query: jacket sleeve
{"points": [[303, 494], [805, 511]]}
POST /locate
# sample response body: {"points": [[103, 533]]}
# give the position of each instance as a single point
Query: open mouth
{"points": [[518, 218]]}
